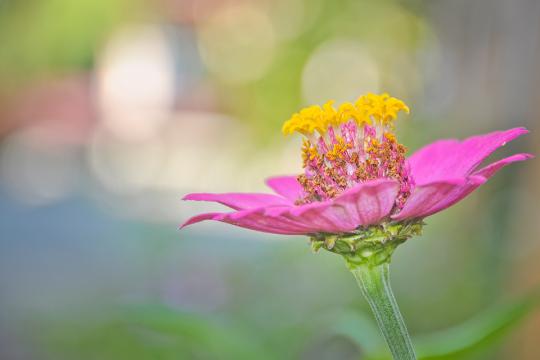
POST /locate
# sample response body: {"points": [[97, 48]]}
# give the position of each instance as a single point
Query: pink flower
{"points": [[356, 174]]}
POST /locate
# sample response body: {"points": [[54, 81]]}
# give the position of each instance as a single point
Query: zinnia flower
{"points": [[360, 197], [356, 174]]}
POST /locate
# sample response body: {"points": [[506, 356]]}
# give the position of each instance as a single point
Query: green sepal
{"points": [[371, 246]]}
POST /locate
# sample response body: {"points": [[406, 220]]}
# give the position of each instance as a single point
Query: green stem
{"points": [[374, 281]]}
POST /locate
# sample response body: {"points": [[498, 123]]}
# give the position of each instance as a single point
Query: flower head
{"points": [[357, 181], [349, 146]]}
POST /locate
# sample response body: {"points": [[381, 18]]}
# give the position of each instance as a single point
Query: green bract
{"points": [[370, 246]]}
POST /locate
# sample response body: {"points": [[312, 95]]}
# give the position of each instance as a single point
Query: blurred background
{"points": [[112, 110]]}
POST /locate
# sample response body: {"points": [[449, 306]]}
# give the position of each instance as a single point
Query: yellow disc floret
{"points": [[310, 119], [381, 109]]}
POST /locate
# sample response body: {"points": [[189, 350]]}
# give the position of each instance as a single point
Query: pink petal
{"points": [[286, 186], [365, 204], [254, 219], [198, 218], [369, 202], [431, 198], [492, 168], [264, 220], [453, 159], [240, 201]]}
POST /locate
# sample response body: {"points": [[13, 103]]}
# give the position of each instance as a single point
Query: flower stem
{"points": [[374, 281]]}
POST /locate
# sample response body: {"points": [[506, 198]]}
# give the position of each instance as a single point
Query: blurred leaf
{"points": [[224, 341], [155, 332], [361, 329], [484, 331]]}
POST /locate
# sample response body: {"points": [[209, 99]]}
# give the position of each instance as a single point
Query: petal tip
{"points": [[477, 180], [513, 134], [184, 224], [276, 178], [198, 218], [286, 186], [192, 197], [520, 157], [523, 130], [269, 180]]}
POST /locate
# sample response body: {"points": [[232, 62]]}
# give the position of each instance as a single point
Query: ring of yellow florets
{"points": [[355, 143], [369, 109]]}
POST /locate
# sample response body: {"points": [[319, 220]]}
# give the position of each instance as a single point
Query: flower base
{"points": [[371, 246]]}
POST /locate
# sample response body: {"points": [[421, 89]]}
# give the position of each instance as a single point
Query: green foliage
{"points": [[485, 331], [42, 36], [159, 332], [153, 332], [360, 328]]}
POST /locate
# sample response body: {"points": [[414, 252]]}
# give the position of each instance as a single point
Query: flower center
{"points": [[350, 145]]}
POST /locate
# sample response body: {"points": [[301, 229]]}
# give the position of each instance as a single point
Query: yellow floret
{"points": [[382, 109], [330, 114], [311, 119], [348, 111]]}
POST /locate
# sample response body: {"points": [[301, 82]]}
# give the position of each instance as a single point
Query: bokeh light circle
{"points": [[136, 82], [237, 43], [339, 69]]}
